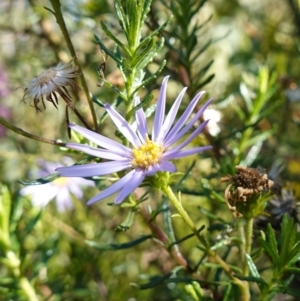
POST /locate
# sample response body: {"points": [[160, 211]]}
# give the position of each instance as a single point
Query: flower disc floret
{"points": [[147, 155]]}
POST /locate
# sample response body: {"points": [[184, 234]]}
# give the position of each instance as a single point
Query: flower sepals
{"points": [[159, 180]]}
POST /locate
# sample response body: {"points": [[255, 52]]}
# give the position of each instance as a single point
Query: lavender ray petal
{"points": [[170, 117], [153, 169], [101, 140], [188, 126], [183, 117], [140, 117], [91, 170], [167, 166], [184, 153], [136, 179], [112, 189], [160, 110], [198, 130], [123, 126], [96, 152]]}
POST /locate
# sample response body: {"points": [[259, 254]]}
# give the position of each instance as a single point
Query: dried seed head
{"points": [[52, 81], [246, 185]]}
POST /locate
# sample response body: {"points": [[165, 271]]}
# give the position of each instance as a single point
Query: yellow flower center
{"points": [[147, 155], [61, 182]]}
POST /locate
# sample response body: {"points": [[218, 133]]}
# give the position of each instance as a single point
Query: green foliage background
{"points": [[246, 56]]}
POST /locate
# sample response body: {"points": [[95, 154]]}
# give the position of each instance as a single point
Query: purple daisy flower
{"points": [[147, 156]]}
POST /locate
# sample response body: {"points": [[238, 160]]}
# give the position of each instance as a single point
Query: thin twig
{"points": [[21, 132]]}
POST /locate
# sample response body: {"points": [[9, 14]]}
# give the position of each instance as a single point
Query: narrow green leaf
{"points": [[287, 235], [154, 33], [239, 111], [127, 223], [40, 181], [271, 238], [126, 67], [293, 292], [107, 51], [5, 210], [191, 44], [187, 173], [167, 219], [211, 215], [252, 154], [203, 70], [97, 101], [197, 27], [269, 250], [188, 236], [113, 37], [251, 279], [252, 267], [293, 236], [149, 57], [263, 79], [31, 223], [292, 270], [294, 253], [206, 81], [227, 292], [157, 280], [112, 246], [295, 259], [144, 103], [152, 77], [145, 10], [147, 51], [134, 14], [246, 96], [258, 138], [6, 280], [200, 4], [122, 16], [17, 212], [201, 50]]}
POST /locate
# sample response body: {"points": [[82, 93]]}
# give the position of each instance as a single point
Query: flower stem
{"points": [[60, 21], [162, 237], [248, 242], [245, 296], [21, 132]]}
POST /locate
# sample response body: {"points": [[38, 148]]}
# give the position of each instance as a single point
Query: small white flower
{"points": [[214, 118], [52, 81], [60, 189]]}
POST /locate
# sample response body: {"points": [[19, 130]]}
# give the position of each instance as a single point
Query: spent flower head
{"points": [[51, 82], [247, 193], [147, 155], [60, 189]]}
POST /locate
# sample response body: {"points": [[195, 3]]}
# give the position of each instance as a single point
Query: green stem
{"points": [[28, 289], [19, 131], [248, 242], [245, 296], [13, 263], [60, 21]]}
